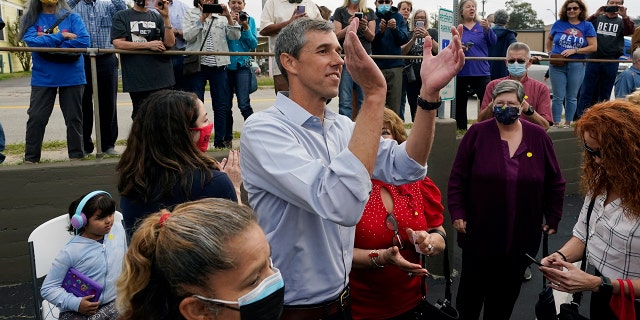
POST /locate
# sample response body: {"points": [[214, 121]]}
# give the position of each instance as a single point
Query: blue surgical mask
{"points": [[262, 303], [505, 114], [384, 8], [355, 1], [517, 69]]}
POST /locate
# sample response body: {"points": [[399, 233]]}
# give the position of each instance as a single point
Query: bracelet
{"points": [[562, 255], [426, 105], [444, 236], [168, 27], [373, 256]]}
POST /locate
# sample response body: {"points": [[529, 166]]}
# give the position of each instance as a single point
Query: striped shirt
{"points": [[614, 239]]}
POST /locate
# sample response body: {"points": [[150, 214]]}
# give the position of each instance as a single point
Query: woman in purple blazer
{"points": [[504, 180]]}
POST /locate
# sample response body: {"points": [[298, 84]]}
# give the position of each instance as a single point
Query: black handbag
{"points": [[546, 304], [442, 309], [569, 311], [191, 62], [60, 57]]}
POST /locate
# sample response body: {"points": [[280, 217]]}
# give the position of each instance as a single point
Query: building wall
{"points": [[11, 10]]}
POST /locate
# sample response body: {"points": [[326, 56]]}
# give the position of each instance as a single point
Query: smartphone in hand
{"points": [[211, 8], [419, 24], [300, 10], [359, 15], [533, 260]]}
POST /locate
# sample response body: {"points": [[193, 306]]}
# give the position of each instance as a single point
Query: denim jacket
{"points": [[194, 32]]}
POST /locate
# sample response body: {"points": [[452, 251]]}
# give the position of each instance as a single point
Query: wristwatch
{"points": [[426, 105], [605, 286], [530, 112]]}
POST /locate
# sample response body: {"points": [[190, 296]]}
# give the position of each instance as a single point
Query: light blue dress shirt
{"points": [[309, 190]]}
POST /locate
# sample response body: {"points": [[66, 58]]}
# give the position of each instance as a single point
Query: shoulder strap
{"points": [[64, 16], [204, 40], [447, 274], [577, 297]]}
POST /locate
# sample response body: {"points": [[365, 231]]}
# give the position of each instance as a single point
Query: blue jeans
{"points": [[220, 101], [597, 84], [565, 82], [239, 81], [345, 93]]}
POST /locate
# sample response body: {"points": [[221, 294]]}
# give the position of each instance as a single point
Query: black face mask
{"points": [[265, 302], [268, 308]]}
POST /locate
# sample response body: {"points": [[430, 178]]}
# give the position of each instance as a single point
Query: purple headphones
{"points": [[79, 219]]}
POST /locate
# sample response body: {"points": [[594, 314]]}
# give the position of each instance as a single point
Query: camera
{"points": [[359, 15], [611, 9], [243, 16]]}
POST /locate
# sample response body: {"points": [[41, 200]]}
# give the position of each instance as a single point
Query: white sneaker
{"points": [[112, 152]]}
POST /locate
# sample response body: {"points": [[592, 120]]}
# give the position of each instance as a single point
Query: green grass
{"points": [[18, 148], [5, 76]]}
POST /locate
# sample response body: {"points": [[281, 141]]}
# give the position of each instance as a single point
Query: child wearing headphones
{"points": [[96, 252]]}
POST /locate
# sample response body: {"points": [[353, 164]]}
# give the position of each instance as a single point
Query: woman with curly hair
{"points": [[611, 180], [165, 162], [207, 259]]}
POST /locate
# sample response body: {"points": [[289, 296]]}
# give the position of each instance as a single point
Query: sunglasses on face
{"points": [[295, 1], [384, 1], [573, 8], [591, 152], [512, 61]]}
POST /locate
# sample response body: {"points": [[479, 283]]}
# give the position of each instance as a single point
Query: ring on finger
{"points": [[430, 247]]}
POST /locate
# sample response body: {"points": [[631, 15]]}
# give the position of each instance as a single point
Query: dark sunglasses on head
{"points": [[512, 61], [591, 152], [573, 8], [384, 1]]}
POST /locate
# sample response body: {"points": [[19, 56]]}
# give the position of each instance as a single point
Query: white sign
{"points": [[445, 22]]}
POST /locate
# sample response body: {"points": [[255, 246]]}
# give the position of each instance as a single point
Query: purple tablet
{"points": [[80, 285]]}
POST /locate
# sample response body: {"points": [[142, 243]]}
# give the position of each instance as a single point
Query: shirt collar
{"points": [[297, 113]]}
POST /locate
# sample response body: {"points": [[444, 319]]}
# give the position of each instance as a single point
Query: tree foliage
{"points": [[522, 16], [13, 28]]}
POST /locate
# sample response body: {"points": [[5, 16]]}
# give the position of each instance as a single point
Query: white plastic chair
{"points": [[44, 244]]}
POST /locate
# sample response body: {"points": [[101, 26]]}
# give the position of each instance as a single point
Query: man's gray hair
{"points": [[636, 55], [293, 37], [508, 86], [501, 17], [517, 46]]}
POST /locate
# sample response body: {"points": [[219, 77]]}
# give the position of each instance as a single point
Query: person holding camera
{"points": [[207, 26], [239, 70], [611, 23], [140, 28]]}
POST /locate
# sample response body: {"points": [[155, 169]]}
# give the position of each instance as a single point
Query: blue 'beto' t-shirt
{"points": [[571, 36]]}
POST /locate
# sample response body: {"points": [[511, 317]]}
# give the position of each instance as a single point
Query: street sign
{"points": [[445, 22]]}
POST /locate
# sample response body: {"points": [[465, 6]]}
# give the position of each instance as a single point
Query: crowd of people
{"points": [[340, 212]]}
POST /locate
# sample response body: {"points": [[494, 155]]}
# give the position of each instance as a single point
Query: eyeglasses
{"points": [[573, 8], [392, 225], [591, 152], [520, 61], [384, 1]]}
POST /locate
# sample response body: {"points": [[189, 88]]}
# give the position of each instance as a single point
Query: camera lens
{"points": [[243, 16]]}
